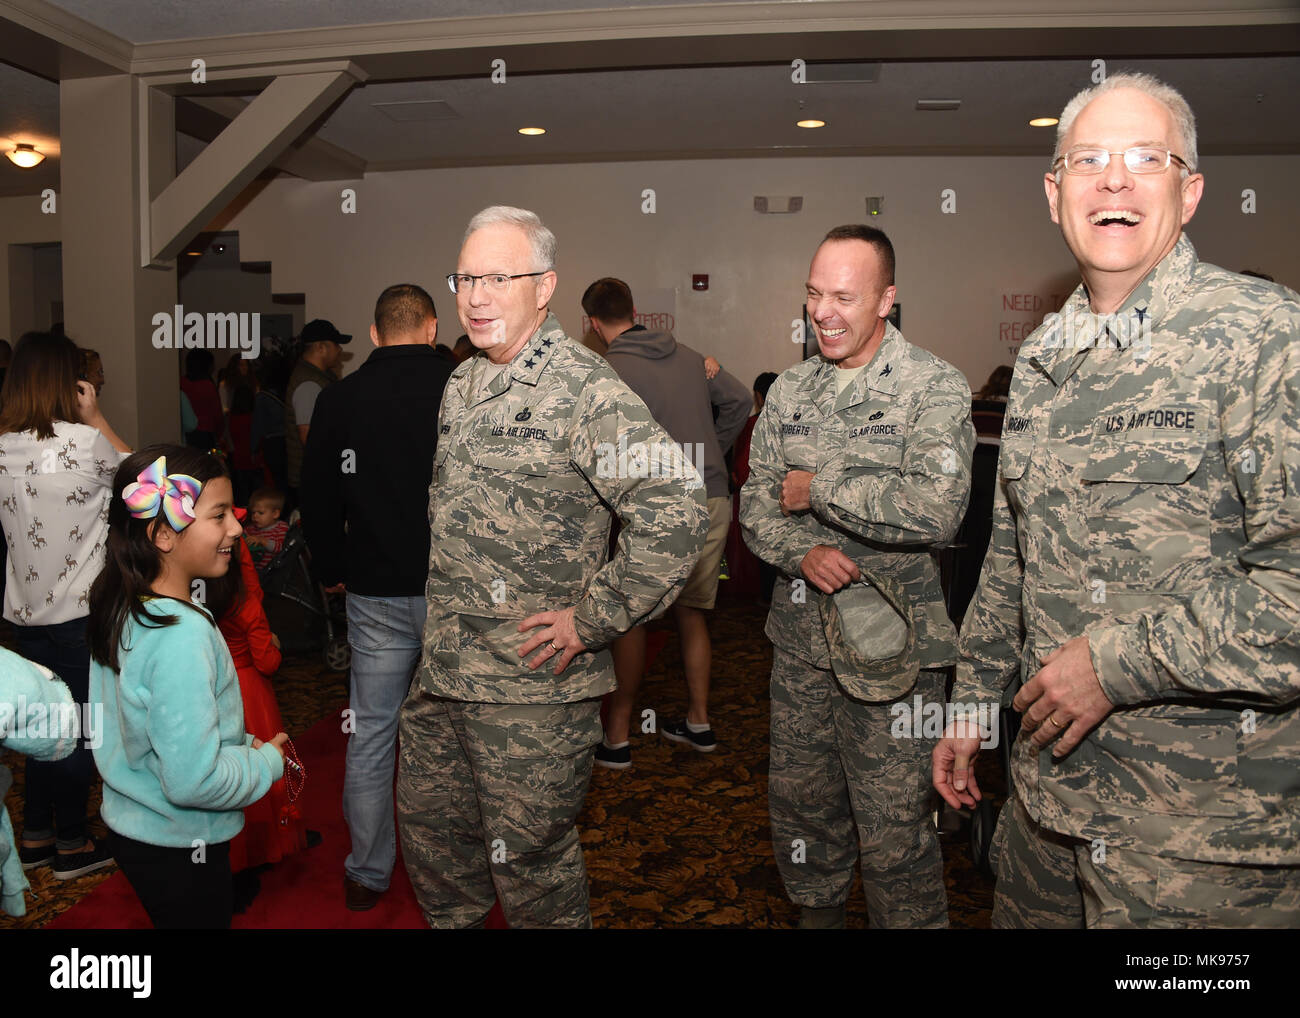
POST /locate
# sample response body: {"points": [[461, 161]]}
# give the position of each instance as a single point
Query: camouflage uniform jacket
{"points": [[1149, 497], [523, 483], [891, 454]]}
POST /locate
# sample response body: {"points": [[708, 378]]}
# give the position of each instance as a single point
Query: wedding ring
{"points": [[554, 647], [1054, 723]]}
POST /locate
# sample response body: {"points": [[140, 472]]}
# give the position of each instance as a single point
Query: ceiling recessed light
{"points": [[811, 123], [1044, 122], [531, 131], [193, 254], [26, 156]]}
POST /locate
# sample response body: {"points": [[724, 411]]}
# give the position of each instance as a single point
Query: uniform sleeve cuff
{"points": [[820, 492], [591, 636], [1122, 663]]}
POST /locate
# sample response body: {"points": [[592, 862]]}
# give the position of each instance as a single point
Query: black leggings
{"points": [[177, 892]]}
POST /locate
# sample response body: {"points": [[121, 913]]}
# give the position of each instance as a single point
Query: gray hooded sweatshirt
{"points": [[669, 377]]}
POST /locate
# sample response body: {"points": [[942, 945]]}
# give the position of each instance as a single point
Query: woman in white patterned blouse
{"points": [[57, 460]]}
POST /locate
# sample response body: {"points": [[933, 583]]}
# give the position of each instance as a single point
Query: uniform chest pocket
{"points": [[1013, 465], [511, 455], [799, 436], [868, 454], [1148, 508]]}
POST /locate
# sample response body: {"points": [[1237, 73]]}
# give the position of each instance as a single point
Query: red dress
{"points": [[272, 827]]}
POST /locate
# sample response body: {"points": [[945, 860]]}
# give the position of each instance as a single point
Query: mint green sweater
{"points": [[178, 766]]}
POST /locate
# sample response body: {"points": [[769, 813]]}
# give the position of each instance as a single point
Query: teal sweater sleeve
{"points": [[177, 762]]}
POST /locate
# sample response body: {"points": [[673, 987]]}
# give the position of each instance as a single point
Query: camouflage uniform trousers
{"points": [[488, 797], [1047, 880], [845, 788]]}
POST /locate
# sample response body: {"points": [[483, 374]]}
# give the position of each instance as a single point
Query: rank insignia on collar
{"points": [[546, 342], [523, 415], [528, 363], [877, 415], [885, 370]]}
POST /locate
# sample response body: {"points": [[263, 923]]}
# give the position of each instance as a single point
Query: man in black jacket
{"points": [[365, 497]]}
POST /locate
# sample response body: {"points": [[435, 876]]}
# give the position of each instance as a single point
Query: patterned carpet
{"points": [[679, 840]]}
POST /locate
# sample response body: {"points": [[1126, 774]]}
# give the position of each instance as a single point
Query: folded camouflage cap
{"points": [[872, 639]]}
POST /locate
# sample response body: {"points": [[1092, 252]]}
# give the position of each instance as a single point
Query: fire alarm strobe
{"points": [[699, 282]]}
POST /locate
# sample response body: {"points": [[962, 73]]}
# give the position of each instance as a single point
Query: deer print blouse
{"points": [[54, 496]]}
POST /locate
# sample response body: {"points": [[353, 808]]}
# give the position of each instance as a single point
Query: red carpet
{"points": [[305, 891]]}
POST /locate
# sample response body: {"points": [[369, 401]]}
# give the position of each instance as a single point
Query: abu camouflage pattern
{"points": [[1148, 496], [488, 797], [520, 516], [892, 456], [842, 790]]}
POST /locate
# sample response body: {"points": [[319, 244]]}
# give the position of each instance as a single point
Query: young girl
{"points": [[178, 766]]}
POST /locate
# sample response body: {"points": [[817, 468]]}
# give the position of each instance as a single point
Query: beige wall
{"points": [[21, 222], [956, 272]]}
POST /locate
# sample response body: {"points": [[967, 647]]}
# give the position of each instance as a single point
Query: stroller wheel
{"points": [[338, 655], [982, 822]]}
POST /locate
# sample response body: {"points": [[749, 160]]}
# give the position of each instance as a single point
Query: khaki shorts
{"points": [[701, 588]]}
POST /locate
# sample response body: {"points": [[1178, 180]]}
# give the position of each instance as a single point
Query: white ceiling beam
{"points": [[311, 159], [238, 154]]}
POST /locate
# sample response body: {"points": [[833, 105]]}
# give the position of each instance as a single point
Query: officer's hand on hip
{"points": [[795, 491], [829, 569], [951, 772], [1063, 698], [559, 642]]}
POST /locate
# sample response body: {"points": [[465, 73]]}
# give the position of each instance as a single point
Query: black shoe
{"points": [[678, 732], [614, 759], [359, 897], [33, 857], [76, 864]]}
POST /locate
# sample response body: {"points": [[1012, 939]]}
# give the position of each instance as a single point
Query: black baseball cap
{"points": [[318, 330]]}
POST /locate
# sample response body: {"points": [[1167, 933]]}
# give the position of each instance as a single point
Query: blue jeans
{"points": [[386, 635]]}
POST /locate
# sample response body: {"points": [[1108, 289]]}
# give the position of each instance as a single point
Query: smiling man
{"points": [[1141, 594], [859, 467], [498, 735]]}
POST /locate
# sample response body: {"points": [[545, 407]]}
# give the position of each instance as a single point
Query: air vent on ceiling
{"points": [[863, 73], [405, 111], [938, 104]]}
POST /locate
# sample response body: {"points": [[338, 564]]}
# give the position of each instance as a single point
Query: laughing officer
{"points": [[859, 467], [1141, 595], [498, 735]]}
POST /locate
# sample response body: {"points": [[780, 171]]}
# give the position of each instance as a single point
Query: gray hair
{"points": [[540, 238], [1169, 97]]}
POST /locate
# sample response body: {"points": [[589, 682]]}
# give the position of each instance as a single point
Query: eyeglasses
{"points": [[1140, 159], [496, 282]]}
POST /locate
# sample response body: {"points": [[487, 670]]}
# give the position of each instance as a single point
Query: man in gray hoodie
{"points": [[703, 415]]}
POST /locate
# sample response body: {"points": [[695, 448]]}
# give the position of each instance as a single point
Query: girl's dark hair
{"points": [[133, 561], [41, 384]]}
